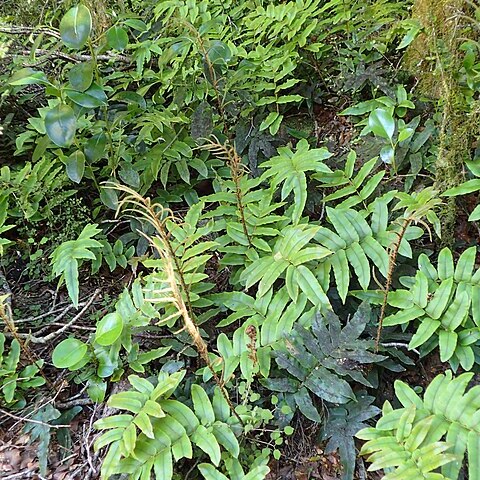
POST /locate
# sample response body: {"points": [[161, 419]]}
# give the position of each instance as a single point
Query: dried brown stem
{"points": [[391, 269], [6, 317], [174, 275]]}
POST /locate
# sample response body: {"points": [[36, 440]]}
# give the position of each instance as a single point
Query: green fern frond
{"points": [[427, 434]]}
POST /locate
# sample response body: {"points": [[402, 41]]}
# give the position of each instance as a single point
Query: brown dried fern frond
{"points": [[175, 289]]}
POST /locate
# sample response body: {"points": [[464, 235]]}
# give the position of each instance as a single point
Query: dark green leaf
{"points": [[68, 352], [117, 38], [75, 27], [60, 124], [76, 166], [80, 76]]}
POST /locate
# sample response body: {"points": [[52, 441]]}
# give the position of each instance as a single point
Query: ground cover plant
{"points": [[239, 240]]}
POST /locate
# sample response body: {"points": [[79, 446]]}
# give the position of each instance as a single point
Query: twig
{"points": [[46, 314], [71, 57], [29, 420], [74, 403], [399, 345], [27, 30], [88, 446], [56, 333], [391, 268], [21, 475]]}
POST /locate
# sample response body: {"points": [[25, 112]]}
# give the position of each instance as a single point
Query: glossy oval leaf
{"points": [[75, 27], [381, 123], [76, 166], [95, 147], [219, 53], [80, 76], [117, 38], [28, 76], [92, 98], [109, 329], [60, 124], [68, 353]]}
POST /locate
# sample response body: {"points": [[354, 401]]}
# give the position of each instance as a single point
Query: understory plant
{"points": [[265, 278]]}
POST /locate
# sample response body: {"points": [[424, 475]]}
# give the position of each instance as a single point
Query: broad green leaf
{"points": [[329, 386], [80, 76], [93, 97], [115, 421], [440, 299], [142, 421], [226, 438], [357, 258], [410, 36], [387, 154], [447, 344], [305, 405], [311, 287], [202, 405], [61, 125], [475, 215], [465, 188], [272, 116], [181, 413], [219, 53], [129, 439], [382, 123], [75, 27], [28, 76], [445, 264], [109, 329], [473, 444], [76, 166], [427, 328], [163, 465], [117, 38], [420, 290], [95, 148], [128, 400], [206, 441], [465, 265], [341, 272], [68, 353], [271, 274], [209, 472], [457, 311]]}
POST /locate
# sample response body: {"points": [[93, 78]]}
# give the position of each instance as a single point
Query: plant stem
{"points": [[391, 268]]}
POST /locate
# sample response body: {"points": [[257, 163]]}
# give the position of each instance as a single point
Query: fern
{"points": [[289, 254], [353, 185], [160, 431], [470, 186], [353, 243], [414, 441], [14, 382], [319, 360], [289, 168], [341, 425], [66, 257], [444, 303]]}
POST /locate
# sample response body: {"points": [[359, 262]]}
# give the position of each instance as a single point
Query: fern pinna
{"points": [[428, 434]]}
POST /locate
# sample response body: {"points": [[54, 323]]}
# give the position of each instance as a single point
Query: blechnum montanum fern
{"points": [[278, 265], [287, 274]]}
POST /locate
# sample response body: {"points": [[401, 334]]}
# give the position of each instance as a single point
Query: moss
{"points": [[433, 58]]}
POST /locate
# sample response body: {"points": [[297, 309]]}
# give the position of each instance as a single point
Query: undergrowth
{"points": [[262, 280]]}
